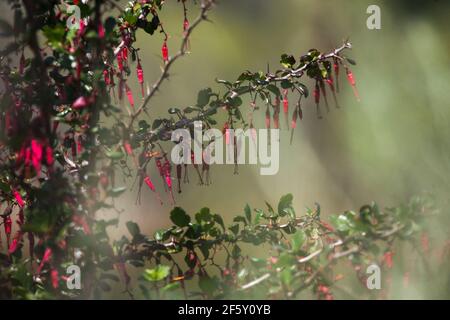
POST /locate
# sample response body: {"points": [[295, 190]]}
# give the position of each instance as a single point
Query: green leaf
{"points": [[298, 239], [286, 276], [203, 97], [274, 89], [285, 260], [286, 84], [341, 222], [115, 192], [130, 18], [234, 228], [287, 60], [173, 110], [54, 35], [248, 213], [133, 228], [152, 25], [115, 155], [156, 124], [259, 215], [240, 219], [236, 252], [171, 287], [143, 125], [162, 235], [285, 204], [204, 248], [189, 109], [156, 274], [218, 219], [234, 102], [304, 89], [225, 82], [351, 61], [204, 215], [179, 217]]}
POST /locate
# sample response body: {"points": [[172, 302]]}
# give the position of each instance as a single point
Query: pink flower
{"points": [[13, 246], [149, 183], [49, 155], [101, 31], [45, 259], [54, 277], [19, 199], [80, 103], [36, 155]]}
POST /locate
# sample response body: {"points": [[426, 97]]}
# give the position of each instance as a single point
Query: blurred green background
{"points": [[394, 144]]}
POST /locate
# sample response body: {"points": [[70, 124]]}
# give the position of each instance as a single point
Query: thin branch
{"points": [[205, 6], [255, 282], [299, 71], [269, 78]]}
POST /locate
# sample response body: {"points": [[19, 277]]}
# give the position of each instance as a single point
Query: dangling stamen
{"points": [[294, 120], [268, 124], [7, 222], [324, 94], [331, 85], [161, 172], [226, 131], [168, 177], [140, 76], [336, 73], [286, 107], [276, 113], [235, 147], [179, 173], [196, 169], [317, 99], [186, 176]]}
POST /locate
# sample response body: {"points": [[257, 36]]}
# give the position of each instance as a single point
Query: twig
{"points": [[205, 6], [255, 282]]}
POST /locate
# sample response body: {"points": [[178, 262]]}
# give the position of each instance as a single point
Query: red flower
{"points": [[54, 277], [165, 51], [149, 183], [18, 198], [388, 259]]}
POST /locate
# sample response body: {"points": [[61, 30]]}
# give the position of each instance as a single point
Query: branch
{"points": [[205, 6], [255, 282], [269, 78], [299, 71]]}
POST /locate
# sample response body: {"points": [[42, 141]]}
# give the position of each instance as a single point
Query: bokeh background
{"points": [[393, 144]]}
